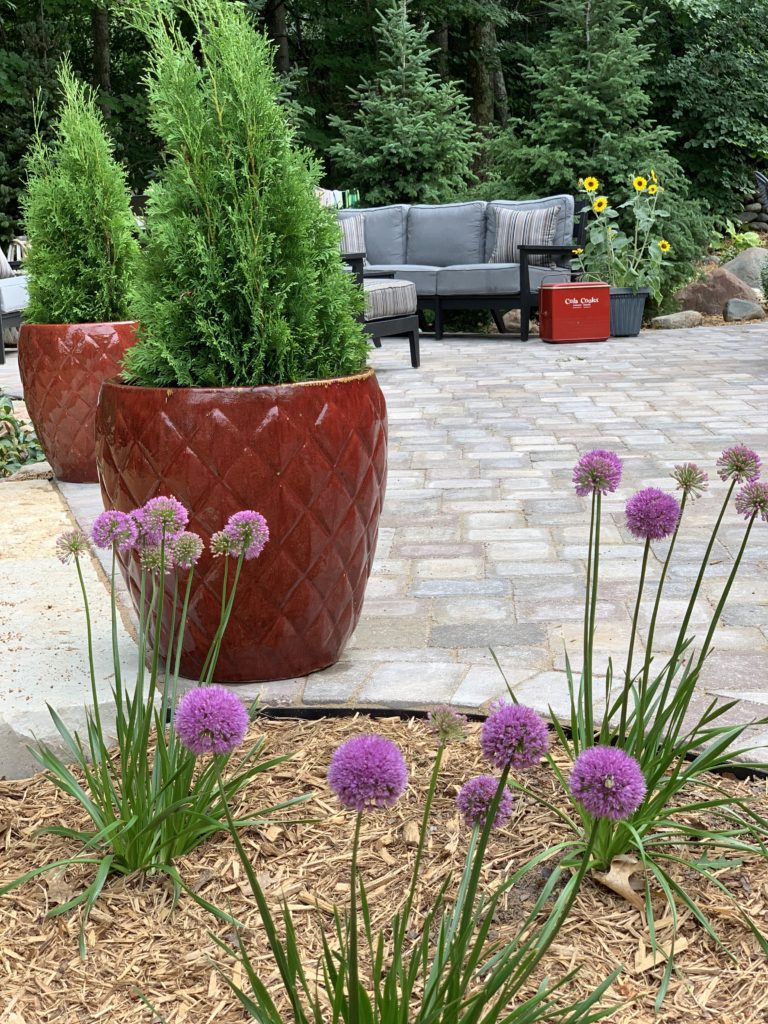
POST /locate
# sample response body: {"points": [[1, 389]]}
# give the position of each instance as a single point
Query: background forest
{"points": [[444, 98]]}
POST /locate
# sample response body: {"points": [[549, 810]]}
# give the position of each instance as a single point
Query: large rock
{"points": [[748, 266], [711, 294], [742, 309], [686, 318]]}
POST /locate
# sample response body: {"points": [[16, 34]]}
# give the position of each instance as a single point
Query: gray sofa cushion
{"points": [[446, 233], [13, 294], [492, 278], [384, 232], [387, 298], [425, 278], [523, 227], [563, 233]]}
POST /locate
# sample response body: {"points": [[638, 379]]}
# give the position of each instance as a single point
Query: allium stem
{"points": [[89, 634], [227, 602], [406, 911], [586, 672], [704, 652], [474, 878], [177, 660], [624, 698], [354, 1015]]}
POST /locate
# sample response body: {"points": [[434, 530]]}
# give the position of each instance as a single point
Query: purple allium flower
{"points": [[739, 463], [474, 801], [211, 720], [752, 500], [595, 471], [513, 735], [71, 544], [447, 723], [690, 479], [113, 527], [652, 514], [607, 782], [162, 515], [245, 534], [185, 550], [367, 772]]}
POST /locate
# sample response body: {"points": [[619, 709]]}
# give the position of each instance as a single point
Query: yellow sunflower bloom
{"points": [[599, 204], [654, 179], [577, 252], [652, 190], [591, 184], [640, 183], [664, 245]]}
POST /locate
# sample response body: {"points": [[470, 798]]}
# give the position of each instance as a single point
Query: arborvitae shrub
{"points": [[411, 138], [78, 219], [242, 283]]}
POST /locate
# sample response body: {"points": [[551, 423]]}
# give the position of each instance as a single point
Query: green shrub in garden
{"points": [[411, 138], [242, 281], [18, 442], [647, 707], [148, 807], [77, 216], [446, 968]]}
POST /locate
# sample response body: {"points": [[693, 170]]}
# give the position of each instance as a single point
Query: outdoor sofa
{"points": [[471, 255]]}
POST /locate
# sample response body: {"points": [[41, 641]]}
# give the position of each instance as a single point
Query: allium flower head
{"points": [[752, 500], [367, 772], [652, 514], [185, 550], [164, 515], [152, 557], [739, 463], [447, 723], [595, 471], [245, 534], [607, 782], [513, 735], [475, 798], [211, 720], [71, 544], [690, 479], [113, 527]]}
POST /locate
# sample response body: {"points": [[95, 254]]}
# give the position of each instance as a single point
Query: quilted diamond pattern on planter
{"points": [[310, 457], [62, 369]]}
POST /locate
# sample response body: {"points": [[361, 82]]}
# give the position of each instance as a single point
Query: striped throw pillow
{"points": [[523, 227], [352, 233]]}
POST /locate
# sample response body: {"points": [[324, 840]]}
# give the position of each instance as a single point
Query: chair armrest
{"points": [[356, 260]]}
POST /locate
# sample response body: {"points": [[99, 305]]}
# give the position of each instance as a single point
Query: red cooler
{"points": [[576, 311]]}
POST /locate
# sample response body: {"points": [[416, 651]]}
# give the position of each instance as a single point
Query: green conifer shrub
{"points": [[411, 138], [242, 281], [77, 214]]}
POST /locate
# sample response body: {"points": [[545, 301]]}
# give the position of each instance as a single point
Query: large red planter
{"points": [[310, 457], [62, 368]]}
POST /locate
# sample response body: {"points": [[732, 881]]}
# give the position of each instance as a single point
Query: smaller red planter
{"points": [[62, 369]]}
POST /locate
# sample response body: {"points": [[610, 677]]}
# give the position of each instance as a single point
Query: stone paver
{"points": [[483, 540]]}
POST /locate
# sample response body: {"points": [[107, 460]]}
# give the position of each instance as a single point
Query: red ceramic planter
{"points": [[62, 368], [310, 457]]}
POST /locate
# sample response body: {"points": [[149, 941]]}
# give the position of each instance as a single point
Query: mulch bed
{"points": [[136, 940]]}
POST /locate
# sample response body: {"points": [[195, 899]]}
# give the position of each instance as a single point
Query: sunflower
{"points": [[652, 190], [654, 179], [664, 245], [591, 184], [577, 252], [599, 204], [640, 183]]}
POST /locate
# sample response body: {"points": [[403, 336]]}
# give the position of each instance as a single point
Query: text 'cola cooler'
{"points": [[575, 311]]}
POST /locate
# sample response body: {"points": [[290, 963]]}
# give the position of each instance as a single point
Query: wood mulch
{"points": [[137, 941]]}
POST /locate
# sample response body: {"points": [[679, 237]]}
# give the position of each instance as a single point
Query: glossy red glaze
{"points": [[310, 457], [62, 368]]}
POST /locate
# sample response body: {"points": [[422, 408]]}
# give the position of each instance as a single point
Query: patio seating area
{"points": [[482, 540]]}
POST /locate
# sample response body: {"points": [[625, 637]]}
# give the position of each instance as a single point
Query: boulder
{"points": [[512, 323], [711, 294], [748, 266], [686, 318], [742, 309]]}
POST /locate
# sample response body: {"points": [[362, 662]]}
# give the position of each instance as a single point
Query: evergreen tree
{"points": [[411, 138], [241, 282], [78, 218]]}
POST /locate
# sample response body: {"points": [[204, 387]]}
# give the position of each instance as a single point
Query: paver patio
{"points": [[483, 542]]}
